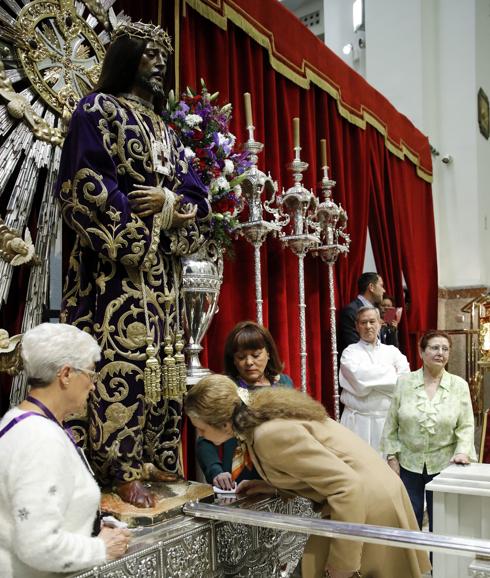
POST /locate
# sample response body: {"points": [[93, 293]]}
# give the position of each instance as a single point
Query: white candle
{"points": [[296, 131], [248, 108], [323, 151]]}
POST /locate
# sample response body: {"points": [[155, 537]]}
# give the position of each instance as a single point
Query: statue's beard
{"points": [[149, 84]]}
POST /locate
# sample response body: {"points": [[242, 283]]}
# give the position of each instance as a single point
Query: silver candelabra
{"points": [[256, 229], [303, 234], [332, 219]]}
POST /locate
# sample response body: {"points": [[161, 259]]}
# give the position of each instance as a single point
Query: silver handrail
{"points": [[355, 532]]}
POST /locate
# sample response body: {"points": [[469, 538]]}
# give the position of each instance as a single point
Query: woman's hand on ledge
{"points": [[116, 541], [462, 459], [255, 487], [224, 481]]}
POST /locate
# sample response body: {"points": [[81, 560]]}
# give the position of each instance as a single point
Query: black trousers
{"points": [[415, 486]]}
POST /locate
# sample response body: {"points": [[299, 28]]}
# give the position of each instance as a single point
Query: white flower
{"points": [[193, 120], [237, 189], [232, 139], [222, 183], [189, 153], [229, 167]]}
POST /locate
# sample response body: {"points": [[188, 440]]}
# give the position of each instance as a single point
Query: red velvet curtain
{"points": [[378, 190]]}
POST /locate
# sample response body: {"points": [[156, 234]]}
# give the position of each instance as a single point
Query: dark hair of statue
{"points": [[365, 280], [120, 68], [251, 335], [426, 337], [215, 401]]}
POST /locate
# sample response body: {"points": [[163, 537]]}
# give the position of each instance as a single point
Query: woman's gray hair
{"points": [[49, 346]]}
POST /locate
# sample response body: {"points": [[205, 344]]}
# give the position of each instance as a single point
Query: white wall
{"points": [[394, 53], [429, 58], [483, 145]]}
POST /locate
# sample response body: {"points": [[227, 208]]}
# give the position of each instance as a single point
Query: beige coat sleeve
{"points": [[286, 448]]}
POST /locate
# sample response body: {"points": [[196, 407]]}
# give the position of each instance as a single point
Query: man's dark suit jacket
{"points": [[347, 324]]}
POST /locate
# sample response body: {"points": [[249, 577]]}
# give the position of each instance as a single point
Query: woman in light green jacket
{"points": [[430, 422]]}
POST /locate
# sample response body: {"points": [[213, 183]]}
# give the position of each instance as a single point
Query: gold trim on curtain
{"points": [[221, 12]]}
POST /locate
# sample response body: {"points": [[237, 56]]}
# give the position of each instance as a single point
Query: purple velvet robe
{"points": [[107, 154]]}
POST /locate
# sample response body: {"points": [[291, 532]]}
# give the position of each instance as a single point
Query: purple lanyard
{"points": [[50, 415], [17, 419]]}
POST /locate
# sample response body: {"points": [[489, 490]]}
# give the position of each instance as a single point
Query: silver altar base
{"points": [[185, 547]]}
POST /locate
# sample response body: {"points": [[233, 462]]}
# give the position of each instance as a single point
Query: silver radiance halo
{"points": [[51, 52]]}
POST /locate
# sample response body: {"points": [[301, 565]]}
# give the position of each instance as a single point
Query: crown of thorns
{"points": [[145, 31]]}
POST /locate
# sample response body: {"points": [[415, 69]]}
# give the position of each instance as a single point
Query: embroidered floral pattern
{"points": [[23, 514]]}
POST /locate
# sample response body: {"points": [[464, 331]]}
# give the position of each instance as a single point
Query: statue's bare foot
{"points": [[136, 494], [154, 474]]}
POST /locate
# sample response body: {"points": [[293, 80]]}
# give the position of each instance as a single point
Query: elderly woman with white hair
{"points": [[48, 497]]}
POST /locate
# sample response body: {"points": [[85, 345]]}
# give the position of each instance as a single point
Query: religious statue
{"points": [[129, 194]]}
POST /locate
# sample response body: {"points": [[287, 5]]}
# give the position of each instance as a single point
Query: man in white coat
{"points": [[368, 374]]}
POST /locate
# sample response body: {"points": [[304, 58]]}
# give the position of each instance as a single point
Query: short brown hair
{"points": [[251, 335], [426, 337]]}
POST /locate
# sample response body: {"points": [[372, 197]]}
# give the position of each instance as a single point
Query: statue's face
{"points": [[152, 69]]}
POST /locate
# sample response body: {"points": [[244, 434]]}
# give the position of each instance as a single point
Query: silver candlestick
{"points": [[332, 219], [300, 204], [256, 229]]}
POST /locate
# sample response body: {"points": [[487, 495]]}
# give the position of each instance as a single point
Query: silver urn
{"points": [[202, 275]]}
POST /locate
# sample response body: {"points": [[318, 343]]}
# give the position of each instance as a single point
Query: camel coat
{"points": [[338, 470]]}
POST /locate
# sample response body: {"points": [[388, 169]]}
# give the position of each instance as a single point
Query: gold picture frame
{"points": [[483, 113]]}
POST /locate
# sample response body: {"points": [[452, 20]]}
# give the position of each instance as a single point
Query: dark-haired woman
{"points": [[251, 359], [430, 422], [296, 447]]}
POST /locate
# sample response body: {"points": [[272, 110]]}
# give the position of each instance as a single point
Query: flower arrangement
{"points": [[203, 127]]}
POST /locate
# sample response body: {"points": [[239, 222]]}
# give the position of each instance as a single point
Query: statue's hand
{"points": [[180, 219], [146, 201]]}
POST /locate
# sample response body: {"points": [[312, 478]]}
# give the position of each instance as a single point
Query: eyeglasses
{"points": [[93, 375], [434, 348]]}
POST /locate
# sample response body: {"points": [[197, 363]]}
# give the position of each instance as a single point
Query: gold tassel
{"points": [[180, 363], [169, 375], [152, 374]]}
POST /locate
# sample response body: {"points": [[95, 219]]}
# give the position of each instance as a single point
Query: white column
{"points": [[461, 508]]}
